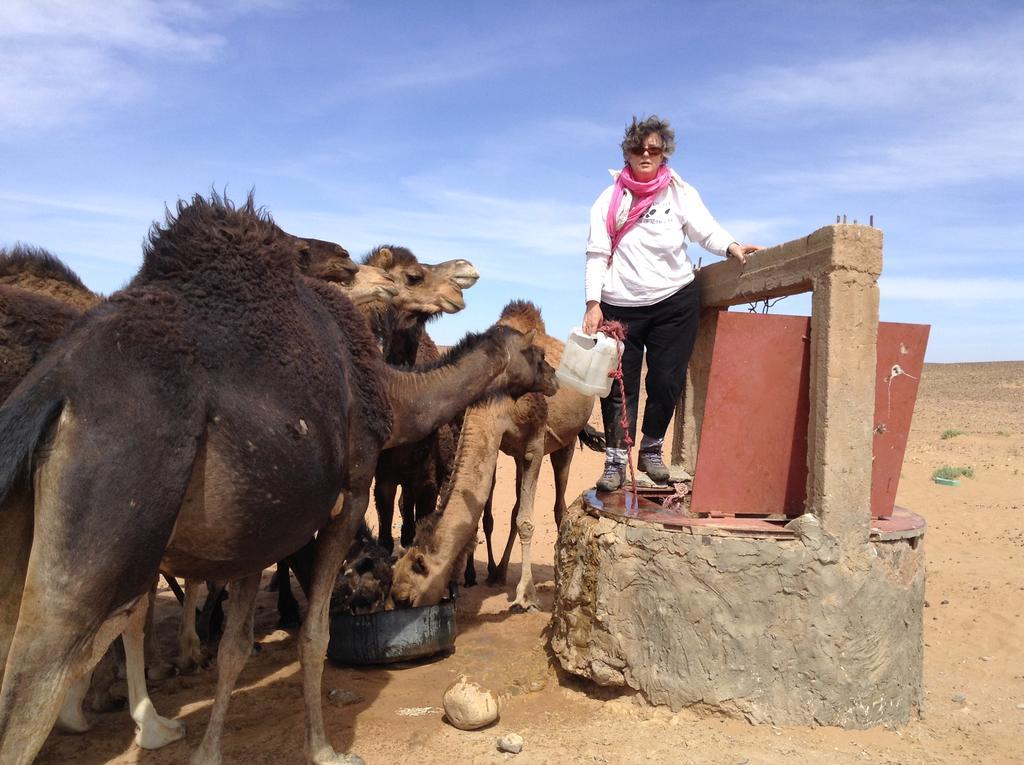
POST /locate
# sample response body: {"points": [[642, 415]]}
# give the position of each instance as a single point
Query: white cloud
{"points": [[911, 114], [947, 74], [62, 59]]}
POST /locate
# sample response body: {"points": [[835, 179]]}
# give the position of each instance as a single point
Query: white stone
{"points": [[468, 706]]}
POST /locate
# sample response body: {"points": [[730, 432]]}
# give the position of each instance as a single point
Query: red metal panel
{"points": [[900, 362], [752, 458]]}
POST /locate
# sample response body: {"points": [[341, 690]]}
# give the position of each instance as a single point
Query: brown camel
{"points": [[37, 271], [420, 468], [264, 401], [531, 428]]}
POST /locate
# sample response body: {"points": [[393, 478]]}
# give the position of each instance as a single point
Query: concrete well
{"points": [[817, 620], [789, 628]]}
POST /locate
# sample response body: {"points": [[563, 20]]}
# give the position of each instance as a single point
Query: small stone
{"points": [[944, 603], [468, 706], [1020, 706], [959, 698], [342, 697], [510, 742]]}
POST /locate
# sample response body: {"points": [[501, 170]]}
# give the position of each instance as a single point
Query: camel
{"points": [[35, 270], [531, 428], [421, 468], [265, 402]]}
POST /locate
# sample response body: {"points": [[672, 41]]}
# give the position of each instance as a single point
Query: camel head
{"points": [[323, 260], [527, 371], [426, 290], [372, 286], [331, 262], [415, 582]]}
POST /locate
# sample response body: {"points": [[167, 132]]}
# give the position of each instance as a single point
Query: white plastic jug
{"points": [[587, 361]]}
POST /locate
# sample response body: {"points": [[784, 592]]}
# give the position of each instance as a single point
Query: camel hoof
{"points": [[158, 672], [330, 757], [159, 731], [519, 608], [73, 721]]}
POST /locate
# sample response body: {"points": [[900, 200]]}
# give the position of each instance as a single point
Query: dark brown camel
{"points": [[263, 399]]}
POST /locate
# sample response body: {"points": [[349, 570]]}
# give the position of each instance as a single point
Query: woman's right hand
{"points": [[593, 317]]}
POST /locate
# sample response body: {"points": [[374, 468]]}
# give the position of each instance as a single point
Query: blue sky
{"points": [[484, 130]]}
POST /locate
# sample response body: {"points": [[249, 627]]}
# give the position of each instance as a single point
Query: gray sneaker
{"points": [[612, 478], [652, 464]]}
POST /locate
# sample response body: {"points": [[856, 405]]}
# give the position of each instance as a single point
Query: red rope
{"points": [[617, 331]]}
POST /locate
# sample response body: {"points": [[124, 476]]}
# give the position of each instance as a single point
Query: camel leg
{"points": [[235, 647], [488, 524], [526, 596], [71, 718], [156, 667], [332, 542], [407, 508], [16, 515], [151, 730], [501, 570], [560, 462], [288, 615], [53, 648], [190, 650], [384, 499]]}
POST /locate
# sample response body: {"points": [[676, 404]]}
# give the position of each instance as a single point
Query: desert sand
{"points": [[974, 636]]}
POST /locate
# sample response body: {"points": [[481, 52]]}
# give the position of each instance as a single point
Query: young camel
{"points": [[526, 428], [243, 461], [567, 414]]}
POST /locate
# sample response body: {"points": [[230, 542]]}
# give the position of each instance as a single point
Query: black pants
{"points": [[667, 330]]}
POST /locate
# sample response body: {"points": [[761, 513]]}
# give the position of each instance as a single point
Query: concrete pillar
{"points": [[844, 328]]}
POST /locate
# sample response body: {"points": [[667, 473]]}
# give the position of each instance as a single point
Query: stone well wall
{"points": [[794, 631]]}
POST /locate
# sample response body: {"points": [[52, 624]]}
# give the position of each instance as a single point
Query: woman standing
{"points": [[638, 273]]}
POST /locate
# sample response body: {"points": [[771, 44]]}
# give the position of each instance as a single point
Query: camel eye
{"points": [[414, 279]]}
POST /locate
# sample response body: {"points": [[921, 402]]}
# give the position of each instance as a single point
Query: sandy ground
{"points": [[974, 633]]}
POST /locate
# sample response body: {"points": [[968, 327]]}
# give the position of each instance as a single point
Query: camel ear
{"points": [[386, 258], [419, 565]]}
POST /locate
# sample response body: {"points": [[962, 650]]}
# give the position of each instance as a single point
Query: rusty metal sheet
{"points": [[900, 363], [752, 458]]}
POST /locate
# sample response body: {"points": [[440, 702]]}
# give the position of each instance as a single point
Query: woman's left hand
{"points": [[740, 251]]}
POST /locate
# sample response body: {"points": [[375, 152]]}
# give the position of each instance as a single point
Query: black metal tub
{"points": [[389, 636]]}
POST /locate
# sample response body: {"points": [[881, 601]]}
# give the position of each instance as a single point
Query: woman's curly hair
{"points": [[640, 129]]}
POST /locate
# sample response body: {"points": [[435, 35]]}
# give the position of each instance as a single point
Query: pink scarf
{"points": [[643, 197]]}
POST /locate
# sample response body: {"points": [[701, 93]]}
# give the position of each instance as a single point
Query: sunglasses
{"points": [[654, 151]]}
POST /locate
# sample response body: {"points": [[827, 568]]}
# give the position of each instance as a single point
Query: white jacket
{"points": [[650, 263]]}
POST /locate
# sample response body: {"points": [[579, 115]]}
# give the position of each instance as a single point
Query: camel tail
{"points": [[24, 420], [592, 438]]}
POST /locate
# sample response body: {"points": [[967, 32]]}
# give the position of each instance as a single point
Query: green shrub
{"points": [[951, 433], [950, 472], [1004, 433]]}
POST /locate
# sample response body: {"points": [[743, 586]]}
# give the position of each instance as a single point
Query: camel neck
{"points": [[424, 400]]}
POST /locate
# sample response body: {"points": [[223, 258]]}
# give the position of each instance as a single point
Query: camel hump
{"points": [[212, 241], [387, 256], [24, 259], [522, 315]]}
